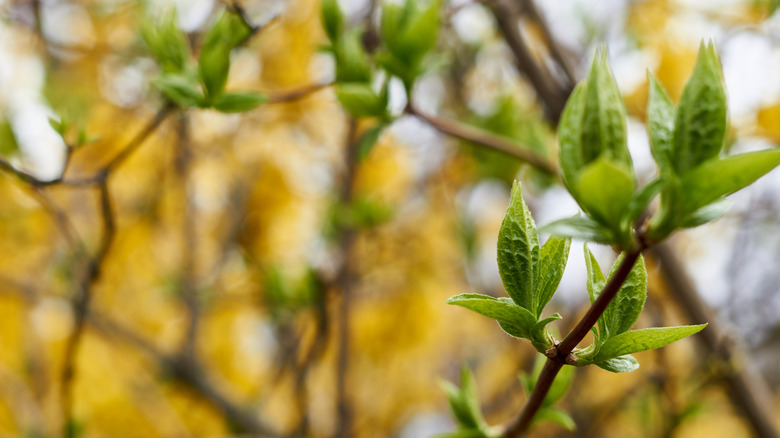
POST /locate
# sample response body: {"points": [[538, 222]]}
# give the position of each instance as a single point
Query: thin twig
{"points": [[81, 307], [344, 282], [287, 96], [486, 139]]}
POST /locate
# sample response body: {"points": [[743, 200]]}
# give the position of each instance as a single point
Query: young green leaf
{"points": [[570, 138], [643, 339], [621, 364], [539, 337], [700, 124], [556, 416], [604, 118], [214, 62], [167, 43], [595, 284], [464, 403], [360, 100], [519, 320], [518, 252], [580, 227], [625, 308], [706, 214], [332, 18], [596, 280], [605, 189], [180, 89], [554, 254], [352, 63], [642, 198], [238, 102], [720, 177], [214, 65], [419, 35], [671, 209], [368, 140], [660, 123]]}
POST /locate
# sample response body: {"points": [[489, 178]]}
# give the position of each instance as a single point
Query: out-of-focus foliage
{"points": [[239, 216]]}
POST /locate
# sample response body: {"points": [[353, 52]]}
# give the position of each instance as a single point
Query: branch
{"points": [[552, 94], [486, 139], [188, 372], [560, 355], [344, 281], [81, 308], [287, 96]]}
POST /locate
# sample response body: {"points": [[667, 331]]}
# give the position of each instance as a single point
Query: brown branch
{"points": [[81, 308], [552, 94], [287, 96], [560, 355], [486, 139], [344, 282], [188, 372]]}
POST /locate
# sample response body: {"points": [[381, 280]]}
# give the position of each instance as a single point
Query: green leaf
{"points": [[720, 177], [700, 124], [352, 63], [596, 280], [360, 100], [671, 210], [332, 18], [643, 339], [238, 102], [660, 123], [167, 43], [180, 89], [554, 254], [420, 34], [518, 252], [604, 118], [622, 364], [368, 140], [623, 311], [570, 138], [8, 143], [579, 227], [556, 416], [539, 337], [605, 189], [706, 214], [642, 198], [559, 386], [470, 397], [463, 433], [595, 284], [518, 319], [214, 65], [464, 401], [214, 62]]}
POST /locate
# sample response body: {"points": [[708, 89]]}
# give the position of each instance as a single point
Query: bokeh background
{"points": [[260, 281]]}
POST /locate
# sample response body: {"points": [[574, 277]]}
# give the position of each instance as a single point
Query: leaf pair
{"points": [[409, 32], [530, 275], [614, 343], [179, 82], [464, 403], [594, 158], [687, 141]]}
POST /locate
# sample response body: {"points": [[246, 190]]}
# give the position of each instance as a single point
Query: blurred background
{"points": [[246, 274]]}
